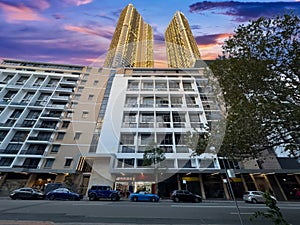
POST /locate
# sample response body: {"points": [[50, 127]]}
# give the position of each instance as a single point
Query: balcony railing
{"points": [[9, 151], [31, 152]]}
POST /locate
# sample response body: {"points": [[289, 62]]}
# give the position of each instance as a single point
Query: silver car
{"points": [[255, 197]]}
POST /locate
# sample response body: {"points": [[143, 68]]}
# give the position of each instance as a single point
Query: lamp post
{"points": [[230, 174]]}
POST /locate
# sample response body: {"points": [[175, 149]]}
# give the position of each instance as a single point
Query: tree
{"points": [[259, 74], [153, 155], [273, 212]]}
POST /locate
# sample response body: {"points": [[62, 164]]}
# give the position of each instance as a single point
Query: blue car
{"points": [[143, 197], [63, 194]]}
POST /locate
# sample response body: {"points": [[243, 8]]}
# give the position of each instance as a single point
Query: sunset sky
{"points": [[80, 31]]}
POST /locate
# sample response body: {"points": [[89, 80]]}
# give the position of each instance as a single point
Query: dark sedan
{"points": [[26, 193], [63, 194], [185, 196]]}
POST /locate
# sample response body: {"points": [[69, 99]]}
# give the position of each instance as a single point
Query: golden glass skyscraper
{"points": [[182, 49], [132, 42]]}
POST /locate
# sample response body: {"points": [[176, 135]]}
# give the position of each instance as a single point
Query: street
{"points": [[16, 212]]}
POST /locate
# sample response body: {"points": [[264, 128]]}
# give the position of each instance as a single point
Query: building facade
{"points": [[132, 42], [86, 125], [182, 49]]}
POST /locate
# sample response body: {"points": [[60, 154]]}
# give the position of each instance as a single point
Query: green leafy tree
{"points": [[272, 213], [259, 75], [153, 155]]}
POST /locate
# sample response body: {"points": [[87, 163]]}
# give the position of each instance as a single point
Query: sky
{"points": [[79, 31]]}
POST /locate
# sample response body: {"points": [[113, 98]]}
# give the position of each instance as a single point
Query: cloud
{"points": [[78, 2], [212, 39], [105, 32], [58, 16], [244, 11], [19, 12]]}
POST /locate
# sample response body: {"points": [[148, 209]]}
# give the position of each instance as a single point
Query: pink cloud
{"points": [[81, 30], [19, 12], [78, 2], [41, 4]]}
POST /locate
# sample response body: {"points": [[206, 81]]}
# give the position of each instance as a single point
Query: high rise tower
{"points": [[132, 42], [182, 50]]}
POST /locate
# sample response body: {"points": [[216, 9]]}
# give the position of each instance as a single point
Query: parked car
{"points": [[97, 192], [256, 197], [185, 196], [143, 197], [63, 194], [27, 193]]}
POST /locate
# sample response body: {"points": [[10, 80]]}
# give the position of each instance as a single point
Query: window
{"points": [[65, 124], [84, 115], [55, 148], [96, 82], [22, 80], [147, 118], [9, 96], [33, 114], [69, 115], [90, 97], [68, 162], [77, 135], [3, 134], [27, 97], [80, 89], [83, 82], [77, 97], [38, 81], [127, 139], [60, 136], [20, 136], [147, 139], [5, 161], [49, 163]]}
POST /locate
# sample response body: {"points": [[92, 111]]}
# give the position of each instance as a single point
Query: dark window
{"points": [[49, 163], [68, 162]]}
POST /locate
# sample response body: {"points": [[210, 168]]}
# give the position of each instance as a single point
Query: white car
{"points": [[256, 197]]}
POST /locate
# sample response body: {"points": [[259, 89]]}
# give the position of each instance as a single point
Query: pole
{"points": [[234, 199]]}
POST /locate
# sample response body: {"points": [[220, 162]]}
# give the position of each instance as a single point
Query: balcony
{"points": [[25, 166], [146, 125], [39, 138], [129, 125], [32, 152], [9, 151], [69, 83]]}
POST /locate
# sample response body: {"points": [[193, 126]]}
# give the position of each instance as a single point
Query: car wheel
{"points": [[92, 197], [176, 199], [114, 197], [52, 197], [152, 199], [253, 200], [73, 198], [135, 199], [13, 197], [197, 200]]}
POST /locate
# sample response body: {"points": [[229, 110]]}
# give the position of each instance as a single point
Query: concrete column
{"points": [[202, 186], [296, 176], [244, 183], [30, 180], [225, 187], [178, 181], [268, 183], [3, 177], [280, 188], [254, 181]]}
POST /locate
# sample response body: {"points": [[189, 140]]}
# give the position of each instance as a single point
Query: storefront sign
{"points": [[191, 178], [124, 178]]}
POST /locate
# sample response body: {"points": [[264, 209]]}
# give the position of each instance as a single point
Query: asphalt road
{"points": [[45, 212]]}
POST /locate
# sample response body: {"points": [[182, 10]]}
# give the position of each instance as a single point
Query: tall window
{"points": [[68, 162], [49, 163]]}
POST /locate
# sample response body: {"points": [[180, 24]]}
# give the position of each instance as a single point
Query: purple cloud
{"points": [[211, 39], [245, 11]]}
